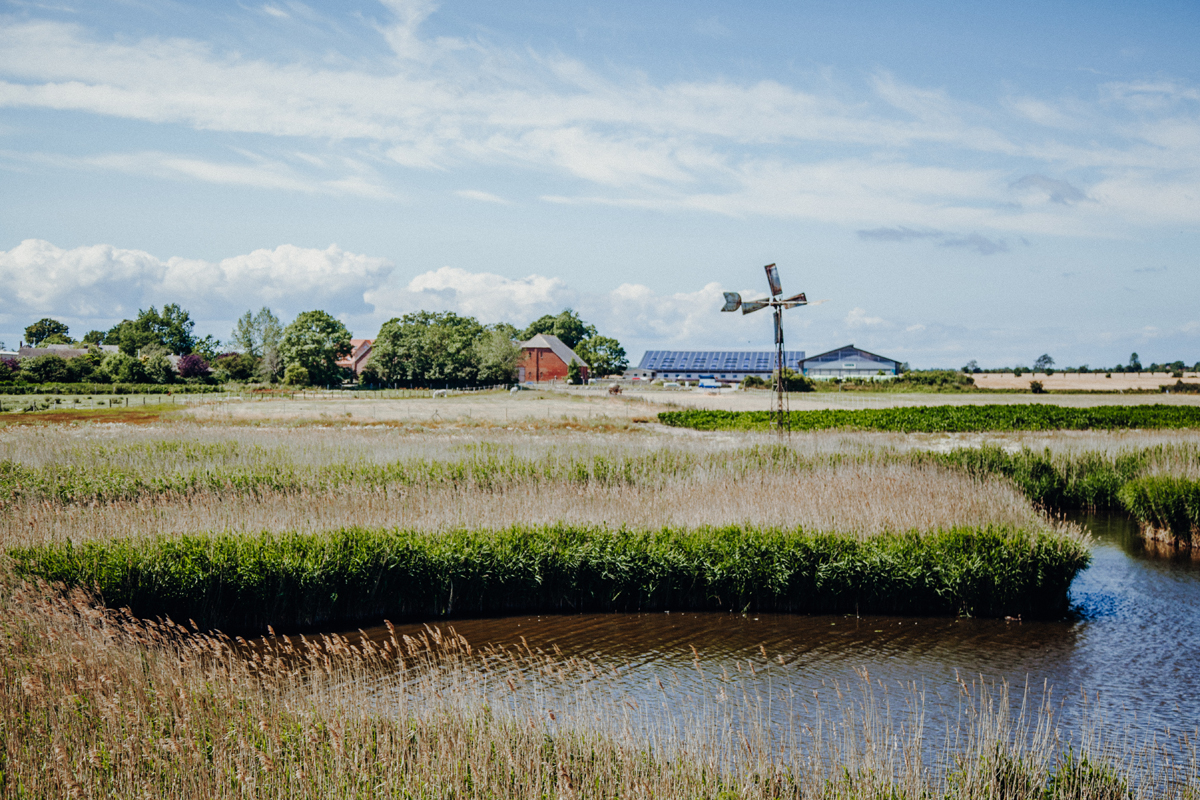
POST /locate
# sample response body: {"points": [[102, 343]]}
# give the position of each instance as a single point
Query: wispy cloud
{"points": [[894, 156], [972, 241]]}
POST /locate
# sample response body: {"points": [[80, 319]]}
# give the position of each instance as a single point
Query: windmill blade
{"points": [[794, 300], [733, 301], [754, 305], [773, 280]]}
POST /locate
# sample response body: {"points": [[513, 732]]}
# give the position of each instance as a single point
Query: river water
{"points": [[1130, 651]]}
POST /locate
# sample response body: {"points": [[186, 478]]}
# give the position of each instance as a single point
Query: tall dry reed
{"points": [[95, 704]]}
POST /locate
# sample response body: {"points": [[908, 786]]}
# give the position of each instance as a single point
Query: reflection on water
{"points": [[1132, 646]]}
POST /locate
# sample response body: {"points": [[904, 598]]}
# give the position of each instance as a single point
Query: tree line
{"points": [[424, 348]]}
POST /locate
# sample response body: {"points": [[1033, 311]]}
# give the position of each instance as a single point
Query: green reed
{"points": [[1167, 503], [240, 582]]}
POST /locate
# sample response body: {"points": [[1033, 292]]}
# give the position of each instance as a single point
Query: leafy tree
{"points": [[93, 337], [574, 374], [123, 368], [316, 341], [58, 338], [295, 375], [257, 333], [429, 347], [193, 365], [235, 366], [794, 381], [567, 326], [1043, 363], [1135, 363], [971, 366], [45, 369], [497, 354], [172, 329], [604, 355], [158, 369], [86, 368], [10, 369], [43, 329]]}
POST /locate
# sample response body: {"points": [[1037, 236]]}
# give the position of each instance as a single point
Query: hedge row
{"points": [[949, 418], [107, 388]]}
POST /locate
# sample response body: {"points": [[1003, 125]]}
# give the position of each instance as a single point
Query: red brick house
{"points": [[545, 358], [361, 350]]}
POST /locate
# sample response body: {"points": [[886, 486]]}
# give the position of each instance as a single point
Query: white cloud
{"points": [[105, 283], [486, 296], [483, 197], [858, 318]]}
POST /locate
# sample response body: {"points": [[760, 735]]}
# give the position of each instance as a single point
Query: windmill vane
{"points": [[733, 301]]}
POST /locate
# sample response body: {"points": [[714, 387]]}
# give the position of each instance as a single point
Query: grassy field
{"points": [[301, 520]]}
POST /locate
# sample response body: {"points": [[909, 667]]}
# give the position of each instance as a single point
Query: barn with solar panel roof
{"points": [[727, 366]]}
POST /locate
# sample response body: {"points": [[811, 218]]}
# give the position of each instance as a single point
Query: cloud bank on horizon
{"points": [[955, 223]]}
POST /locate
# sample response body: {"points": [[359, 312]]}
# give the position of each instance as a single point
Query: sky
{"points": [[958, 181]]}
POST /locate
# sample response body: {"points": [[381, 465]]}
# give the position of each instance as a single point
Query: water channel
{"points": [[1131, 649]]}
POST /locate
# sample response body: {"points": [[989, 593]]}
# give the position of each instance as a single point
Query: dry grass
{"points": [[855, 499], [861, 496], [96, 705]]}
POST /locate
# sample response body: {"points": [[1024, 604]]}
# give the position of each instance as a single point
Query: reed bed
{"points": [[853, 499], [331, 579], [97, 704]]}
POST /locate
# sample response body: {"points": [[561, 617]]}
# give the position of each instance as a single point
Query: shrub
{"points": [[120, 368], [193, 365], [1036, 387], [753, 382], [159, 369], [45, 369], [574, 374], [295, 375]]}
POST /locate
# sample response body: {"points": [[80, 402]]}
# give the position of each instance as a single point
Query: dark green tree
{"points": [[43, 329], [1135, 363], [172, 329], [567, 326], [604, 355], [45, 369], [1043, 363], [93, 337], [428, 347], [122, 368], [316, 341], [497, 354], [574, 374]]}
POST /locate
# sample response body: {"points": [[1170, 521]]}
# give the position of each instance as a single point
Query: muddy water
{"points": [[1131, 648]]}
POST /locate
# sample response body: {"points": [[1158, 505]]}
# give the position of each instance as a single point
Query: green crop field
{"points": [[949, 419]]}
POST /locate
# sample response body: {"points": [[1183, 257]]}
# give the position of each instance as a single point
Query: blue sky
{"points": [[987, 181]]}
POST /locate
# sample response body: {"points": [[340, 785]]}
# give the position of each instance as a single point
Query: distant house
{"points": [[360, 352], [848, 362], [64, 350], [545, 358]]}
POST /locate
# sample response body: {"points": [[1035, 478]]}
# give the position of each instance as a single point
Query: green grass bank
{"points": [[949, 419], [1169, 506], [294, 581]]}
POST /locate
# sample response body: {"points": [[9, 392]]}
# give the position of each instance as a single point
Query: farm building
{"points": [[360, 352], [848, 362], [545, 358], [729, 366]]}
